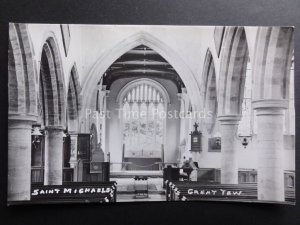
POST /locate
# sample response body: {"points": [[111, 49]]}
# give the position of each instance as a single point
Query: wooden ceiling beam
{"points": [[141, 70], [141, 52], [128, 57], [141, 62]]}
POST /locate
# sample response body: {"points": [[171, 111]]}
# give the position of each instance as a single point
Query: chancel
{"points": [[106, 113]]}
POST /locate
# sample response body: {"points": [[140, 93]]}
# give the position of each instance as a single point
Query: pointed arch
{"points": [[210, 94], [52, 93], [21, 72], [141, 38], [233, 71], [273, 58]]}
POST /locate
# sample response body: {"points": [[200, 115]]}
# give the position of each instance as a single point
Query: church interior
{"points": [[155, 113]]}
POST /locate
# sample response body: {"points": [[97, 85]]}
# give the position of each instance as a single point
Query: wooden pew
{"points": [[290, 195], [196, 191], [74, 192]]}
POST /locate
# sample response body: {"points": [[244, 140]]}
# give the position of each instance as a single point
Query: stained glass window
{"points": [[143, 120]]}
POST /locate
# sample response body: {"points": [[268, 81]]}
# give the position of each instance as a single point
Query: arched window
{"points": [[143, 105]]}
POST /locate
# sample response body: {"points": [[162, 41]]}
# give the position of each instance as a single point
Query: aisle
{"points": [[125, 190]]}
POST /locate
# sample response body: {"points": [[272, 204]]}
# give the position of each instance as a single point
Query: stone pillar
{"points": [[19, 157], [270, 172], [53, 155], [229, 161], [73, 158]]}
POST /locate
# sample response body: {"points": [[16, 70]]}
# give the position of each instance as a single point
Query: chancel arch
{"points": [[143, 69], [141, 38]]}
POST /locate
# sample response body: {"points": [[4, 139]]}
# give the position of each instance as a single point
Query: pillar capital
{"points": [[58, 128], [229, 119], [270, 106], [270, 103], [22, 117]]}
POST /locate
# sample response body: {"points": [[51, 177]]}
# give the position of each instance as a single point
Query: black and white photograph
{"points": [[130, 113]]}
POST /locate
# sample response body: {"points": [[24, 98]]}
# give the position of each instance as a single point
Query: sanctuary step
{"points": [[133, 173], [128, 185], [127, 190]]}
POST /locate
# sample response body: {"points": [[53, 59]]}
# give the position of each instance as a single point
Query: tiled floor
{"points": [[131, 198]]}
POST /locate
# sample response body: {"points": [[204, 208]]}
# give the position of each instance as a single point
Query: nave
{"points": [[150, 113]]}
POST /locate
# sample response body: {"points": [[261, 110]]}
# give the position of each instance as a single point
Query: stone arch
{"points": [[271, 74], [233, 71], [73, 100], [21, 72], [273, 57], [52, 94], [210, 95], [141, 38]]}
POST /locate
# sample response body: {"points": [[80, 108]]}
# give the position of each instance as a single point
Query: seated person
{"points": [[194, 173], [188, 167]]}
